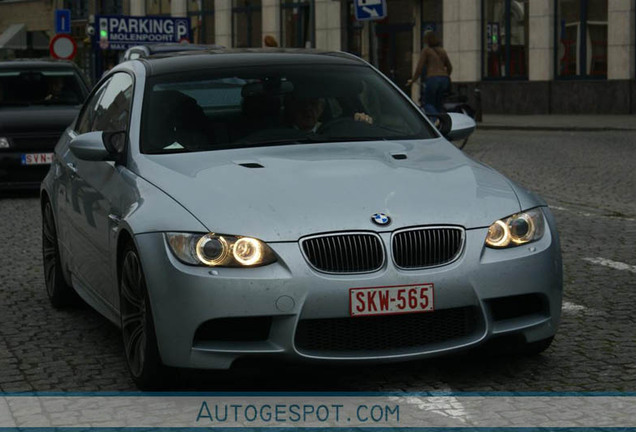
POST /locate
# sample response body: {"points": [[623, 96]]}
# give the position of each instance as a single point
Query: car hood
{"points": [[36, 118], [283, 193]]}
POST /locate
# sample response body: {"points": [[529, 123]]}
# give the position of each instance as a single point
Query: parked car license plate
{"points": [[37, 158], [391, 300]]}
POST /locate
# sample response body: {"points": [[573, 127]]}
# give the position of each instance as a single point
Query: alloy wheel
{"points": [[49, 249], [133, 313]]}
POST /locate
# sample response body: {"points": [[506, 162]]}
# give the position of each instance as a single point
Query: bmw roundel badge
{"points": [[380, 219]]}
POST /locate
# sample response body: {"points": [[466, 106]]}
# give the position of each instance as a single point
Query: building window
{"points": [[505, 45], [79, 9], [201, 14], [297, 23], [246, 23], [581, 38], [157, 7]]}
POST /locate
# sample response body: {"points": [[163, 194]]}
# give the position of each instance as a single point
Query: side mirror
{"points": [[461, 127], [94, 146]]}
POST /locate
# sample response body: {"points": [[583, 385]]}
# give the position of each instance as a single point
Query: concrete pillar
{"points": [[271, 19], [223, 22], [137, 7], [541, 40], [620, 39], [179, 8], [328, 26], [462, 38]]}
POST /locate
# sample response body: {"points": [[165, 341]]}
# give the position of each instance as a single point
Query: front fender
{"points": [[147, 209]]}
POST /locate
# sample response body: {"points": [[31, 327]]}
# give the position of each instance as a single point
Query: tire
{"points": [[137, 325], [59, 292]]}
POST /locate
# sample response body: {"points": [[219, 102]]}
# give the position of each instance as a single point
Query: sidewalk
{"points": [[557, 122]]}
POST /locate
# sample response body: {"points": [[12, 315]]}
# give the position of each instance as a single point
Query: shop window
{"points": [[79, 8], [297, 23], [110, 7], [246, 23], [505, 45], [581, 35], [201, 14]]}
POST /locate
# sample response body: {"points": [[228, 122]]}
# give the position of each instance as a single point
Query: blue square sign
{"points": [[62, 21], [367, 10]]}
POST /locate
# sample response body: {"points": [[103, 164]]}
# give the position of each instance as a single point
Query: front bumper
{"points": [[15, 175], [484, 291]]}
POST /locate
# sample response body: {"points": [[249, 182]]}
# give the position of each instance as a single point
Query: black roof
{"points": [[36, 63], [218, 58], [174, 47]]}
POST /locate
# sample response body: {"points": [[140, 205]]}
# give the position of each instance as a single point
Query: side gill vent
{"points": [[251, 165], [399, 156]]}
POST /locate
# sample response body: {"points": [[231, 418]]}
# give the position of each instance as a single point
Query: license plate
{"points": [[37, 158], [391, 300]]}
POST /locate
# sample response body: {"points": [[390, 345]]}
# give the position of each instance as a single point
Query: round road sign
{"points": [[63, 47]]}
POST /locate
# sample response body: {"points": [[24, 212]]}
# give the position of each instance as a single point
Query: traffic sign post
{"points": [[62, 21], [370, 10], [62, 47]]}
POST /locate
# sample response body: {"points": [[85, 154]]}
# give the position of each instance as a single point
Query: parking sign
{"points": [[367, 10]]}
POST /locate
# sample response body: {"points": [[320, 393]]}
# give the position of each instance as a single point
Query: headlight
{"points": [[4, 143], [518, 229], [217, 250]]}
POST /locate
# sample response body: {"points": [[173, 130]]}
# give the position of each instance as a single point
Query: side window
{"points": [[113, 107], [87, 117]]}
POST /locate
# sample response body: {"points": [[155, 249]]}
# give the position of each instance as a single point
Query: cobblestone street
{"points": [[588, 180]]}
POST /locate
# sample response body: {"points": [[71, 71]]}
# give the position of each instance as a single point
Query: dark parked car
{"points": [[38, 100], [140, 51]]}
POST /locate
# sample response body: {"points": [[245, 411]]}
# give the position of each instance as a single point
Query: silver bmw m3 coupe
{"points": [[293, 204]]}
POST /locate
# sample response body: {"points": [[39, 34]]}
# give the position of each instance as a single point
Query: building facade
{"points": [[524, 56]]}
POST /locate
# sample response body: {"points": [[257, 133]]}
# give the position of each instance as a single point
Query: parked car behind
{"points": [[140, 51], [38, 100]]}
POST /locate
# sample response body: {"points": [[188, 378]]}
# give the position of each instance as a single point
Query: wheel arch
{"points": [[45, 198], [124, 238]]}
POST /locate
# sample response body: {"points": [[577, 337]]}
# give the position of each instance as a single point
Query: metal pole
{"points": [[374, 45], [478, 113]]}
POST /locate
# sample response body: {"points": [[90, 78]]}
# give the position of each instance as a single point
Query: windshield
{"points": [[24, 87], [275, 105]]}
